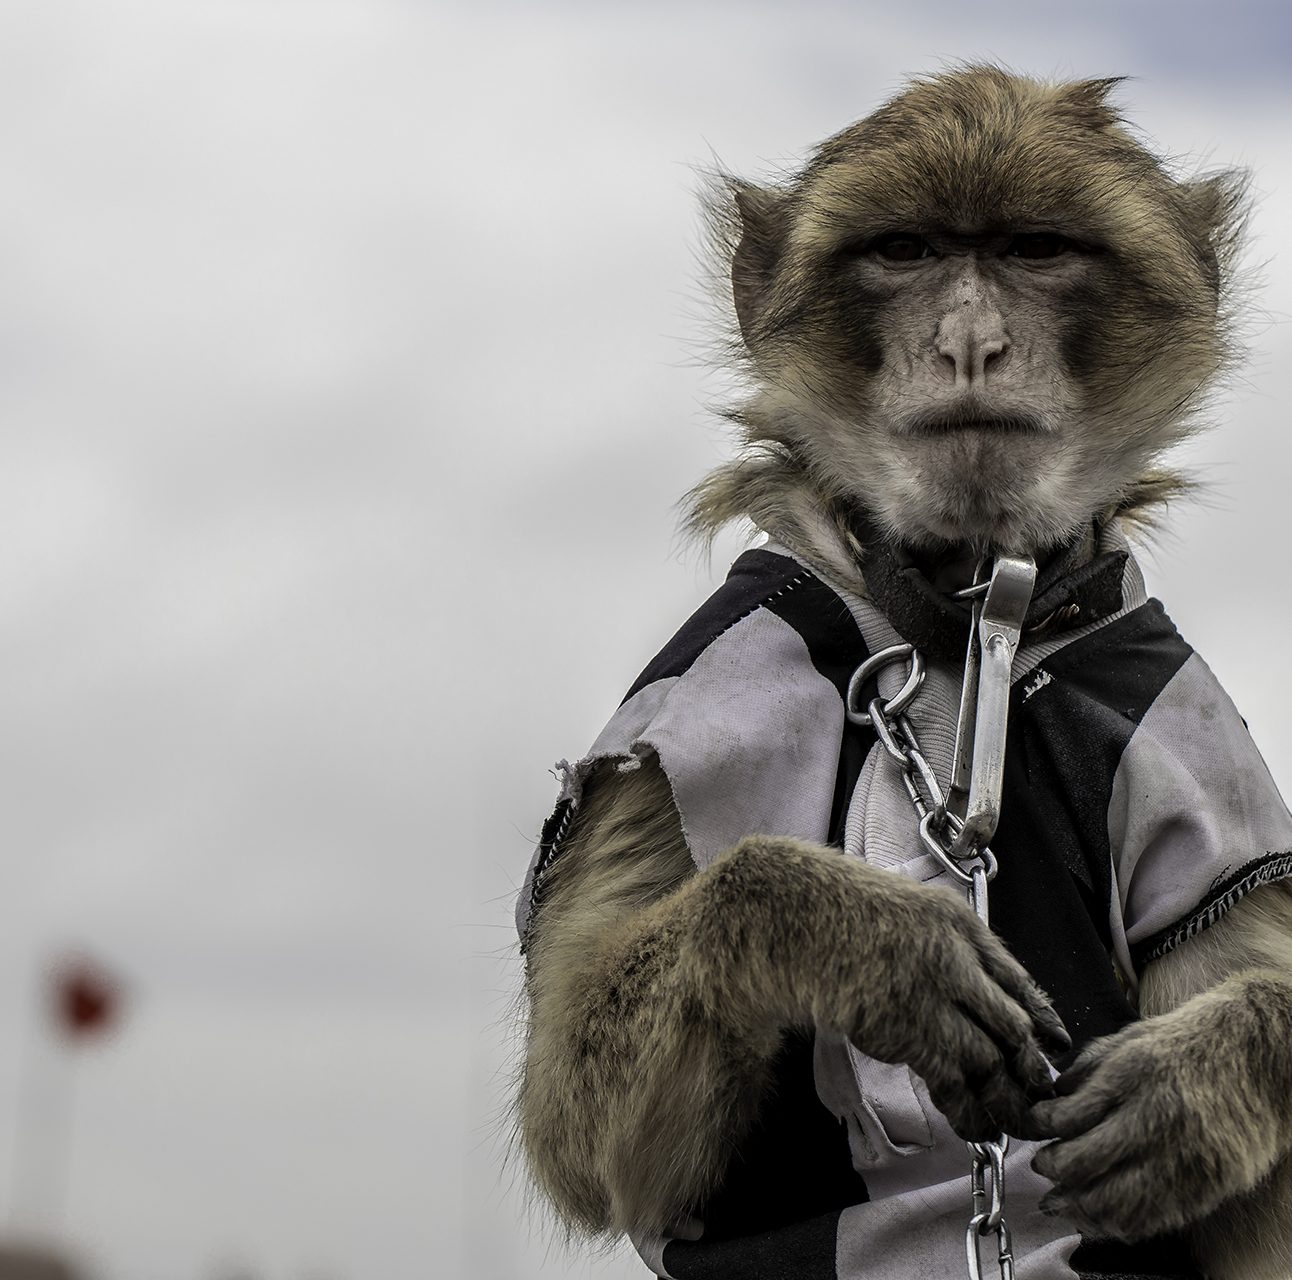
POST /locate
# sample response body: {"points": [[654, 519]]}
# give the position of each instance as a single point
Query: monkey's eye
{"points": [[1039, 244], [901, 246]]}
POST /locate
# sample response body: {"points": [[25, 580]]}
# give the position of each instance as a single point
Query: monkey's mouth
{"points": [[944, 422]]}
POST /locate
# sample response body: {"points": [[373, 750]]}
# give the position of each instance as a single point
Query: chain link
{"points": [[988, 1215], [939, 828]]}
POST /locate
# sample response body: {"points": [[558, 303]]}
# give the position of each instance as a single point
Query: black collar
{"points": [[1070, 592]]}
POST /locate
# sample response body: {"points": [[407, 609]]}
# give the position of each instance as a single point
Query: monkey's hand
{"points": [[660, 997], [905, 970], [1162, 1123]]}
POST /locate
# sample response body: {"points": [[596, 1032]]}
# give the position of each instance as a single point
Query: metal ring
{"points": [[875, 663], [934, 846], [878, 721], [996, 1212], [983, 859], [1005, 1251], [973, 1239], [978, 892], [937, 801]]}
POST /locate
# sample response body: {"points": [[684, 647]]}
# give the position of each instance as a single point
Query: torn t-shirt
{"points": [[1135, 811]]}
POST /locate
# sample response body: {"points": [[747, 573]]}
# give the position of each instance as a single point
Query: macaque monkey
{"points": [[763, 1021]]}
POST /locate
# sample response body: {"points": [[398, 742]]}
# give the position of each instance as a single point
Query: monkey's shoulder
{"points": [[766, 584]]}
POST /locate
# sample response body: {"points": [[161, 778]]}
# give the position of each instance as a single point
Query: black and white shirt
{"points": [[1136, 810]]}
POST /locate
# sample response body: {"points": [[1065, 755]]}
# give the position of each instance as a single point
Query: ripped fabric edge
{"points": [[552, 837]]}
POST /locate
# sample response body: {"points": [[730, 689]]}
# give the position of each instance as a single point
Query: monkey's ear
{"points": [[1216, 209], [763, 218]]}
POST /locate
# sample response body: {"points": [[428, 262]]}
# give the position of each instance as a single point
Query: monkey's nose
{"points": [[971, 340]]}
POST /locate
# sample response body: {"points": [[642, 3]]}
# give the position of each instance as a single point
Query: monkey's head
{"points": [[979, 316]]}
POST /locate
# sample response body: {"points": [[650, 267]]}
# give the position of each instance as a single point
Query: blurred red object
{"points": [[87, 1001]]}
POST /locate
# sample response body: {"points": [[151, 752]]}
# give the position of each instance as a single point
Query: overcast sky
{"points": [[348, 375]]}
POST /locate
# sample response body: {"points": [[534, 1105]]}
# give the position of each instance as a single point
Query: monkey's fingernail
{"points": [[1041, 1163], [1028, 1129], [1041, 1081], [1054, 1030]]}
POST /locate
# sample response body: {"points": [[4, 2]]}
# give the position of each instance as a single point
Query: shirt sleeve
{"points": [[1195, 820]]}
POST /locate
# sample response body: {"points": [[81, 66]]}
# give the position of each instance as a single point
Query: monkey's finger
{"points": [[1088, 1061], [1006, 1105], [1080, 1072], [981, 1109], [1127, 1202], [1032, 1069], [985, 1097], [1067, 1117], [1076, 1163], [1007, 1026], [1013, 1028], [1053, 1204], [1124, 1204], [1016, 982], [978, 1110], [965, 1045]]}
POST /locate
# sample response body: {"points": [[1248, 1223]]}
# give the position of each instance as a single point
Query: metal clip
{"points": [[962, 760], [984, 703]]}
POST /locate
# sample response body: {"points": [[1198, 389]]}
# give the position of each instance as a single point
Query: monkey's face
{"points": [[951, 384], [982, 312]]}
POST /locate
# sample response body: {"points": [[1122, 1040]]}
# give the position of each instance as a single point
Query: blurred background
{"points": [[350, 365]]}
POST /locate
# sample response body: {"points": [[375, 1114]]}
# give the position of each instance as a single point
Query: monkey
{"points": [[762, 1020]]}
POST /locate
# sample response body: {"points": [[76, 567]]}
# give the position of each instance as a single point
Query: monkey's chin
{"points": [[981, 488]]}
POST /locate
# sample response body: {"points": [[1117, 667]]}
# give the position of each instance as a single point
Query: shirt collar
{"points": [[1073, 588]]}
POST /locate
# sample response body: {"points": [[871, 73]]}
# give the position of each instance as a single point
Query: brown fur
{"points": [[1250, 1236], [626, 1111], [654, 1026], [1174, 1115], [1195, 1102]]}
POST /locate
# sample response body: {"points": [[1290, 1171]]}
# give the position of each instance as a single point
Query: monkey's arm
{"points": [[1250, 1236], [1185, 1118], [659, 995]]}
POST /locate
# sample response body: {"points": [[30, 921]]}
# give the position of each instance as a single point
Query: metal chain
{"points": [[975, 870], [989, 1214]]}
